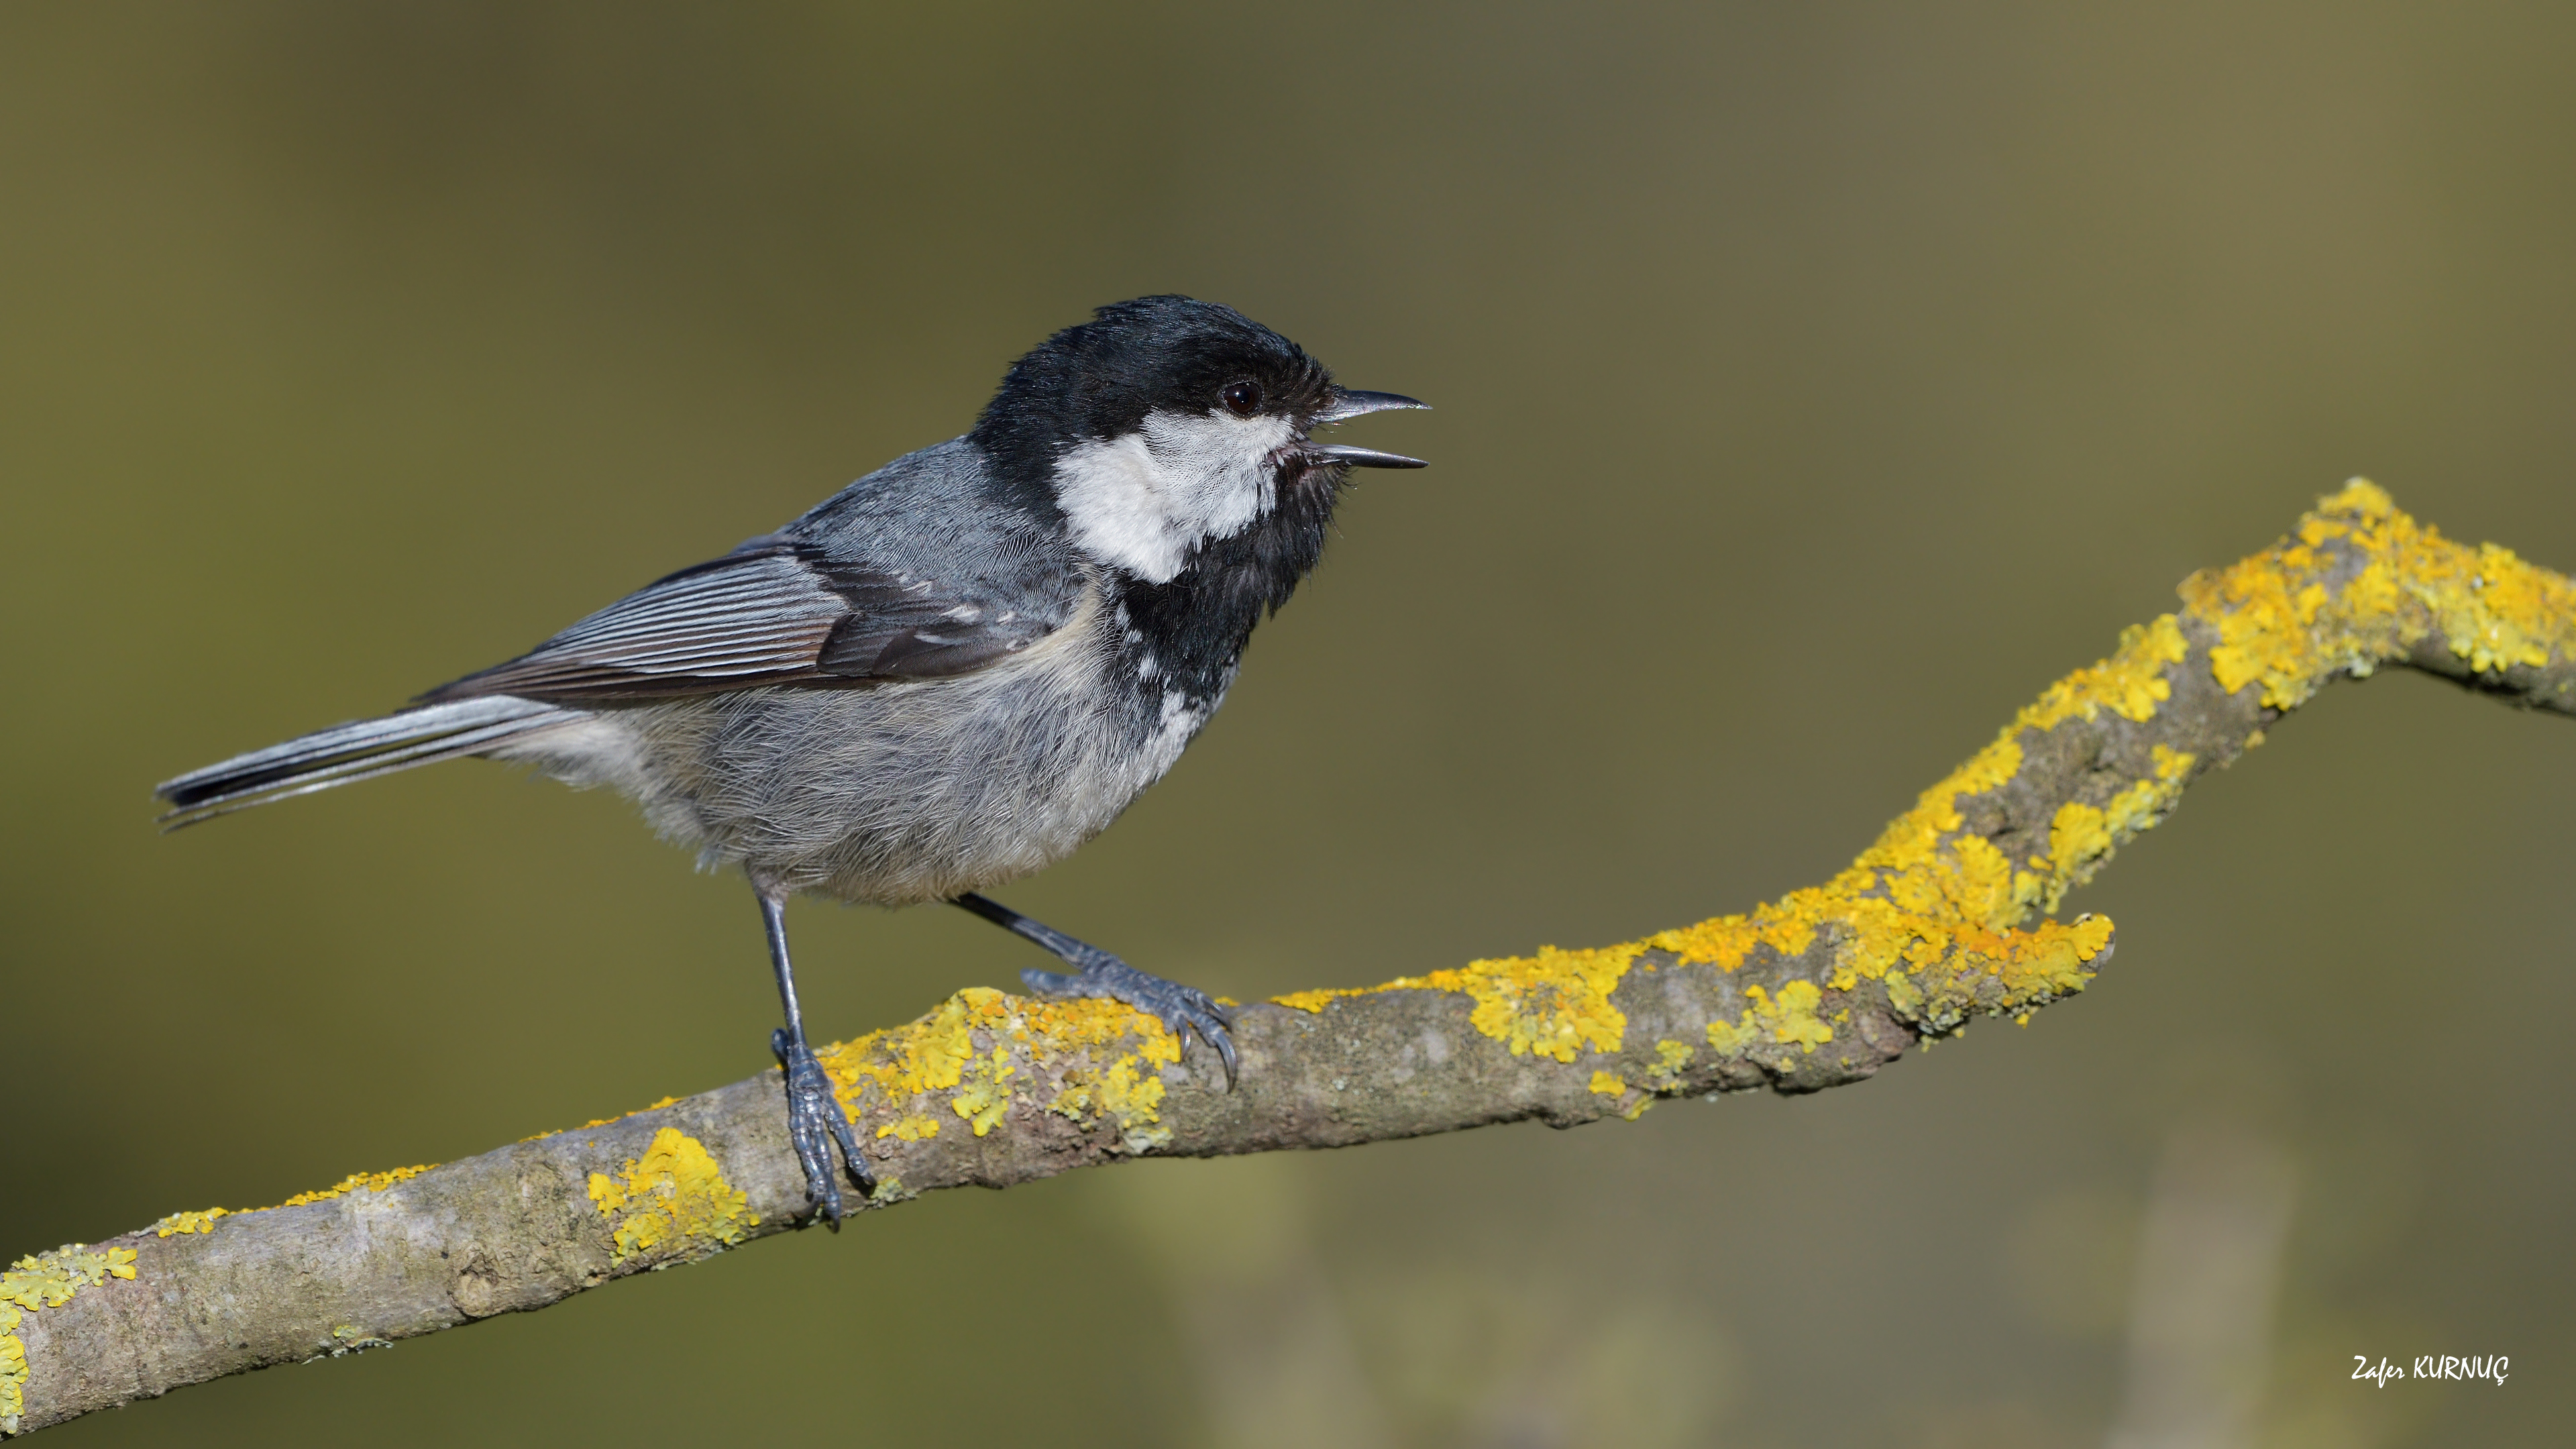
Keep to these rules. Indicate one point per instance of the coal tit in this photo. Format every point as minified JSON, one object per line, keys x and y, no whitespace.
{"x":945,"y":676}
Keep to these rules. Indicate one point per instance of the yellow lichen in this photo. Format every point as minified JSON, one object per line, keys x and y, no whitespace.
{"x":40,"y":1281}
{"x":189,"y":1222}
{"x":2130,"y":684}
{"x":1553,"y":1004}
{"x":1670,"y":1057}
{"x":1317,"y":999}
{"x":1929,"y":892}
{"x":1612,"y":1085}
{"x":2081,"y":838}
{"x":357,"y":1181}
{"x":1786,"y":1019}
{"x":1134,"y":1097}
{"x":1792,"y":1015}
{"x":986,"y":1097}
{"x":928,"y":1056}
{"x":982,"y":1048}
{"x":2079,"y":833}
{"x":203,"y":1220}
{"x":675,"y":1194}
{"x":2360,"y":585}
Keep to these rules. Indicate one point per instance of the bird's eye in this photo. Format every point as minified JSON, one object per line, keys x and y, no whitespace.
{"x":1242,"y":399}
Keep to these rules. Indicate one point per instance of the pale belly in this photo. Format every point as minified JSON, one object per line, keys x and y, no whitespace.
{"x":896,"y":794}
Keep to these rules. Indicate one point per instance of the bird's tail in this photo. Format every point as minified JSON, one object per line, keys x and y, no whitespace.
{"x":358,"y":751}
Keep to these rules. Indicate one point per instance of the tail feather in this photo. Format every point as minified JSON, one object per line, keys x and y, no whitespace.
{"x":345,"y":754}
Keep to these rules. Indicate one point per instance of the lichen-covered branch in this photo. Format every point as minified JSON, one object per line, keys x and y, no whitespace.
{"x":1932,"y":924}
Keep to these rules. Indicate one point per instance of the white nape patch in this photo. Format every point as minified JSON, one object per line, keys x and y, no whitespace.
{"x":1141,"y":502}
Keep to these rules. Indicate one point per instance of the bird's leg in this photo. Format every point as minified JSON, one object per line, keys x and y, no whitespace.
{"x":1097,"y":973}
{"x":814,"y":1116}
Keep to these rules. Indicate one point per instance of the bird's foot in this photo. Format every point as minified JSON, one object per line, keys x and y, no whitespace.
{"x":1181,"y":1009}
{"x":814,"y":1122}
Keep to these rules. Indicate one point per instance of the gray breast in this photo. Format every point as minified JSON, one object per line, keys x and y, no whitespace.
{"x":899,"y":793}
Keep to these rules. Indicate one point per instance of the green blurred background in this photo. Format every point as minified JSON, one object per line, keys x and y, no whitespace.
{"x":1814,"y":385}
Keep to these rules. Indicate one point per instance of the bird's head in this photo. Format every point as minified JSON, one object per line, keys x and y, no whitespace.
{"x":1166,"y":424}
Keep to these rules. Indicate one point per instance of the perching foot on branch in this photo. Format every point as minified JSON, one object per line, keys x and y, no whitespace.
{"x":814,"y":1121}
{"x":1101,"y":976}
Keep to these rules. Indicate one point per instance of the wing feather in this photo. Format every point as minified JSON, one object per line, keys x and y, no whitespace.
{"x":771,"y":612}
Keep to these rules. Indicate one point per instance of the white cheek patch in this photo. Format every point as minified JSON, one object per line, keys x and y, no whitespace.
{"x":1143,"y":501}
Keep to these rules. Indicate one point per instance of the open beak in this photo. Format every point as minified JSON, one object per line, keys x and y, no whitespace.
{"x":1349,"y":403}
{"x":1350,"y":457}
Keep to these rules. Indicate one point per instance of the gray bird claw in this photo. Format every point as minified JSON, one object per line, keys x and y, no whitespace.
{"x":814,"y":1122}
{"x":1181,"y":1009}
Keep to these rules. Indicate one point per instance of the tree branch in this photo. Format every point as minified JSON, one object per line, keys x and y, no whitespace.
{"x":1926,"y":929}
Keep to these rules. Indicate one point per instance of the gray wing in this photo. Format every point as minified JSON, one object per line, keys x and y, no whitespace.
{"x":778,"y":610}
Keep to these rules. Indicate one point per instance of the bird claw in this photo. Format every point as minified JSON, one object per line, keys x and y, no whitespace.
{"x":1181,"y":1009}
{"x":814,"y":1122}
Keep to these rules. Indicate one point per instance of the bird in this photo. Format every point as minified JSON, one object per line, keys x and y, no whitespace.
{"x":942,"y":678}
